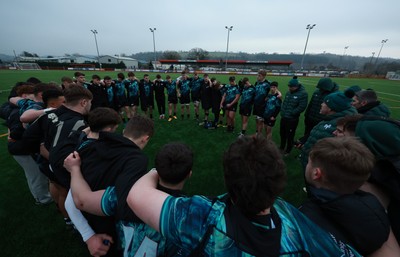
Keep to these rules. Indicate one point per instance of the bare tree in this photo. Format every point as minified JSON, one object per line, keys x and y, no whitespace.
{"x":171,"y":55}
{"x":197,"y":54}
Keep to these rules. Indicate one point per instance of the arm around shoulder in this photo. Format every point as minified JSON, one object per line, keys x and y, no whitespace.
{"x":146,"y":200}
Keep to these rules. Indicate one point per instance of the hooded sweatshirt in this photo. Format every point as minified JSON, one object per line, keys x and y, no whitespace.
{"x":357,"y":219}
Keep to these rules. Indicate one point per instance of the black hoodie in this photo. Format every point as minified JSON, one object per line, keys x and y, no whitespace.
{"x":357,"y":219}
{"x":114,"y":160}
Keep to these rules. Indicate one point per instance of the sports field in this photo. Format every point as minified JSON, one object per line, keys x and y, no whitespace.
{"x":30,"y":230}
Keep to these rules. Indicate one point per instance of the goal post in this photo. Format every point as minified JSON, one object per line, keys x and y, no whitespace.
{"x":27,"y":66}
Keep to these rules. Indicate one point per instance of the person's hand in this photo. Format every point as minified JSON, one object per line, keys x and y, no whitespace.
{"x":86,"y":130}
{"x":298,"y":144}
{"x":99,"y":244}
{"x":72,"y":162}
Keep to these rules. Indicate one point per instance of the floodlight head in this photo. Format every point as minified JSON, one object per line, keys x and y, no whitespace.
{"x":93,"y":31}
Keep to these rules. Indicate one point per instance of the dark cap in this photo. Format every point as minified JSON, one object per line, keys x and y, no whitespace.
{"x":232,"y":78}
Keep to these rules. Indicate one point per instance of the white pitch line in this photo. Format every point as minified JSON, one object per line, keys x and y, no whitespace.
{"x":387,"y":93}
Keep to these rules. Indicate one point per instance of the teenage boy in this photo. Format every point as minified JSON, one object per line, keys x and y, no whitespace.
{"x":54,"y":127}
{"x":172,"y":97}
{"x":80,"y":79}
{"x":249,"y":220}
{"x":246,"y":103}
{"x":195,"y":88}
{"x":384,"y":143}
{"x":272,"y":108}
{"x":120,"y":96}
{"x":173,"y":163}
{"x":229,"y":103}
{"x":146,"y":89}
{"x":159,"y":92}
{"x":262,"y":87}
{"x":183,"y":88}
{"x":116,"y":160}
{"x":99,"y":93}
{"x":110,"y":90}
{"x":336,"y":169}
{"x":26,"y":156}
{"x":100,"y":119}
{"x":205,"y":95}
{"x":132,"y":89}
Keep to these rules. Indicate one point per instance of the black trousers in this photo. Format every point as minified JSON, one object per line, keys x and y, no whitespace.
{"x":161,"y":105}
{"x":308,"y":126}
{"x":287,"y":132}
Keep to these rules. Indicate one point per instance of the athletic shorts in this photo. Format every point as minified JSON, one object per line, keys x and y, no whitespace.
{"x":205,"y":104}
{"x":184,"y":99}
{"x":148,"y":102}
{"x":232,"y":108}
{"x":196,"y":97}
{"x":245,"y":110}
{"x":259,"y":110}
{"x":133,"y":101}
{"x":172,"y":99}
{"x":259,"y":118}
{"x":121,"y":101}
{"x":269,"y":122}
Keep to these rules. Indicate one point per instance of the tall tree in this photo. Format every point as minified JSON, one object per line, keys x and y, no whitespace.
{"x":171,"y":55}
{"x":197,"y":54}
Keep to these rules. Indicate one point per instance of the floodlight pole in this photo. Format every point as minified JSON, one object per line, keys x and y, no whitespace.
{"x":97,"y":47}
{"x":309,"y":28}
{"x":227,"y":46}
{"x":370,"y":61}
{"x":344,"y":53}
{"x":154,"y":46}
{"x":379,"y":53}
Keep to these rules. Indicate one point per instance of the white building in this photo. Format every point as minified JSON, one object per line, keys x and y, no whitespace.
{"x":61,"y":59}
{"x":129,"y":62}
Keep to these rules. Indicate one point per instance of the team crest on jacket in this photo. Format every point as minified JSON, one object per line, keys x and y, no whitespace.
{"x":327,"y":126}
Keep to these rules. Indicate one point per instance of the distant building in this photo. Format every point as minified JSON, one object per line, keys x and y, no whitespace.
{"x":59,"y":59}
{"x":130,"y":63}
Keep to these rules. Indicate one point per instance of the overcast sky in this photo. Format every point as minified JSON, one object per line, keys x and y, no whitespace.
{"x":56,"y":27}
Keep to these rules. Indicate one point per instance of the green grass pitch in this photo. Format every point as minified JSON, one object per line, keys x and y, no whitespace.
{"x":30,"y":230}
